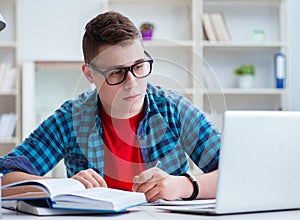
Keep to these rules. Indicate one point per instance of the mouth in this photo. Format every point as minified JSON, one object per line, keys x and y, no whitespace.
{"x":132,"y":97}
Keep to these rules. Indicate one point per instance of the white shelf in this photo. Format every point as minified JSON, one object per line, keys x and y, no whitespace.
{"x":168,"y":43}
{"x":262,"y":45}
{"x":13,"y":140}
{"x":10,"y":101}
{"x":252,"y":91}
{"x":8,"y":44}
{"x":147,"y":1}
{"x":241,"y":1}
{"x":10,"y":93}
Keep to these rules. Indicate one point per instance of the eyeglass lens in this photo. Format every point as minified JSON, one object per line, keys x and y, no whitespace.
{"x":139,"y":70}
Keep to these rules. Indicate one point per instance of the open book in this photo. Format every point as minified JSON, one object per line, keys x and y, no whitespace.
{"x":70,"y":194}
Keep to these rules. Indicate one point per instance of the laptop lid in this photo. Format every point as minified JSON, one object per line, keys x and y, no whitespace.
{"x":259,"y":162}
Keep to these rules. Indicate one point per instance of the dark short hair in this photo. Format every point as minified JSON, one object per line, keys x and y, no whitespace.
{"x":109,"y":28}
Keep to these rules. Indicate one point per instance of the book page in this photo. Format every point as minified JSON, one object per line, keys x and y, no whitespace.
{"x":60,"y":186}
{"x":98,"y":194}
{"x":100,"y":199}
{"x":27,"y":191}
{"x":52,"y":187}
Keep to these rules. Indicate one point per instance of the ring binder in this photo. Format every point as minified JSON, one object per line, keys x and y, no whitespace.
{"x":280,"y":70}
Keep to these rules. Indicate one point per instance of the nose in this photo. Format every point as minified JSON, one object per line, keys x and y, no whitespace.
{"x":130,"y":80}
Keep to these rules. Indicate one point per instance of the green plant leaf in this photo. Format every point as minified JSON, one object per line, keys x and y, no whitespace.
{"x":245,"y":70}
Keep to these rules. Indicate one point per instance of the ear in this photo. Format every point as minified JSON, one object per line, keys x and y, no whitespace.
{"x":88,"y":73}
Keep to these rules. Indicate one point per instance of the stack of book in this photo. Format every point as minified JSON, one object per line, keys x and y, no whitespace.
{"x":8,"y":122}
{"x":215,"y":28}
{"x":7,"y":77}
{"x":66,"y":196}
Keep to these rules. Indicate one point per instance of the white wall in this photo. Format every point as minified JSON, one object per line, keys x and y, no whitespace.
{"x":52,"y":29}
{"x":295,"y":53}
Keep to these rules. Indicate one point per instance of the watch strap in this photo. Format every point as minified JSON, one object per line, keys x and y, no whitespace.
{"x":195,"y":186}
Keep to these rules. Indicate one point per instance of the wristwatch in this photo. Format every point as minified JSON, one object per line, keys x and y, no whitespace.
{"x":195,"y":186}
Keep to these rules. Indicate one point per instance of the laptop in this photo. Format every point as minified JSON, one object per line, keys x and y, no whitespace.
{"x":259,"y":164}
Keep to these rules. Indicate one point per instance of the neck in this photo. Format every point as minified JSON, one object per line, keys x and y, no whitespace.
{"x":121,"y":115}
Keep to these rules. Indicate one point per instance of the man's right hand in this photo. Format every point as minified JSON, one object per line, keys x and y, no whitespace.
{"x":90,"y":178}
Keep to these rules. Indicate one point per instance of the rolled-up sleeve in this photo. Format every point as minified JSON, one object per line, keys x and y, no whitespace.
{"x":201,"y":140}
{"x":44,"y":147}
{"x":13,"y":163}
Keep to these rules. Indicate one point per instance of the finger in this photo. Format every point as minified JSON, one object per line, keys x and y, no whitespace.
{"x":143,"y":177}
{"x":150,"y":190}
{"x":90,"y":178}
{"x":152,"y":175}
{"x":145,"y":187}
{"x":152,"y":197}
{"x":99,"y":180}
{"x":90,"y":175}
{"x":95,"y":179}
{"x":84,"y":181}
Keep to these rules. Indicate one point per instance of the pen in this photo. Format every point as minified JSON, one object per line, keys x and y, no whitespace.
{"x":157,"y":163}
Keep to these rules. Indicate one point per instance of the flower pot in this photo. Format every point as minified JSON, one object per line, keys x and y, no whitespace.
{"x":245,"y":81}
{"x":147,"y":35}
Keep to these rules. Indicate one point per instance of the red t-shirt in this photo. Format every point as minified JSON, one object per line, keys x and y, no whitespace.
{"x":122,"y":155}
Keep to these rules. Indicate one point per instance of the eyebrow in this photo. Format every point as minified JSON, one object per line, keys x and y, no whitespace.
{"x":123,"y":66}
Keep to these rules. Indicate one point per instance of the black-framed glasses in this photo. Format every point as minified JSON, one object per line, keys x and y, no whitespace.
{"x":140,"y":69}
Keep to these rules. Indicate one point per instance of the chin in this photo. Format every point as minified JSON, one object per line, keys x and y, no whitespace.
{"x":135,"y":108}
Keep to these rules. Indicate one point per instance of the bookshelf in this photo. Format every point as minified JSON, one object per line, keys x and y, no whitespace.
{"x":200,"y":69}
{"x":203,"y":70}
{"x":10,"y":101}
{"x":270,"y":16}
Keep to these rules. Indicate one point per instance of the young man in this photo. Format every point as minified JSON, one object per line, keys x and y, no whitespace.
{"x":115,"y":135}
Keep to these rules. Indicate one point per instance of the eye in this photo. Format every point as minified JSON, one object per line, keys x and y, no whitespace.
{"x":116,"y":72}
{"x":139,"y":66}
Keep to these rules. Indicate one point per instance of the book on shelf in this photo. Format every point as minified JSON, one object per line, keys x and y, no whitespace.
{"x":3,"y":68}
{"x":8,"y":75}
{"x":8,"y":123}
{"x":71,"y":194}
{"x":208,"y":27}
{"x":215,"y":27}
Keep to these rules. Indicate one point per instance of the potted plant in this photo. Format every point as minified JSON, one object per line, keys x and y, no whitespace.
{"x":245,"y":74}
{"x":147,"y":30}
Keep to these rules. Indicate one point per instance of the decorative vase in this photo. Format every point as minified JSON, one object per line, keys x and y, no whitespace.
{"x":245,"y":81}
{"x":147,"y":35}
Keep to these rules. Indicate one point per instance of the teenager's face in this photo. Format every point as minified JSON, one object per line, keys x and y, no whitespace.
{"x":127,"y":98}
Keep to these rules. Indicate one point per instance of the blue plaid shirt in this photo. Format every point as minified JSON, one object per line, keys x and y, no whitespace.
{"x":170,"y":129}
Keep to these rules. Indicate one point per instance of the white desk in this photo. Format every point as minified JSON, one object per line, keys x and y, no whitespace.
{"x":151,"y":213}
